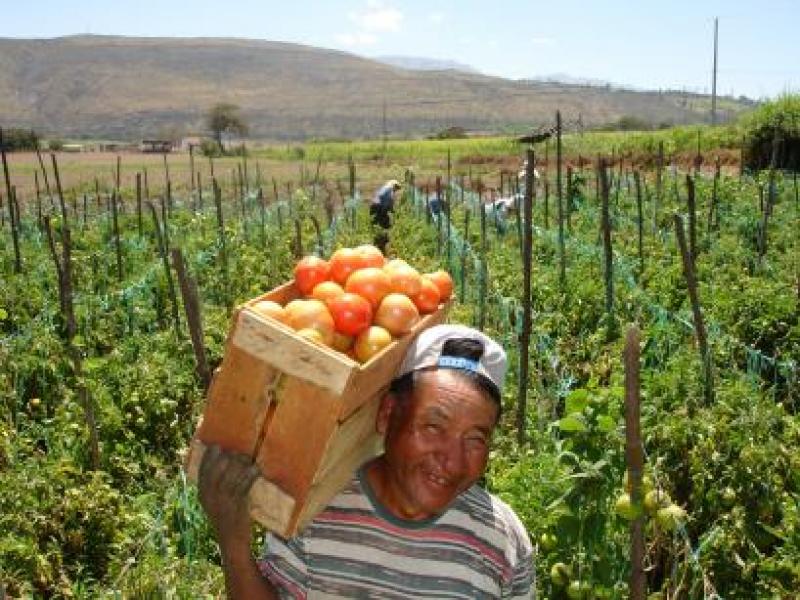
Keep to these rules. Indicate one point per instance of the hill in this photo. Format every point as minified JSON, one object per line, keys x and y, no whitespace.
{"x":119,"y":87}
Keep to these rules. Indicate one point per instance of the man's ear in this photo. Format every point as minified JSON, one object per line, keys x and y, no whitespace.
{"x":388,"y":404}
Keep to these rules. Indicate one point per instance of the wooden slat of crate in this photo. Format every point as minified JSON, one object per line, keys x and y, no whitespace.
{"x":237,"y":395}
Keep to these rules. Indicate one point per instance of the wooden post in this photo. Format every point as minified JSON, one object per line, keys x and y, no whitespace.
{"x":463,"y":290}
{"x":639,"y":220}
{"x":608,"y":255}
{"x":482,"y":280}
{"x":525,"y":338}
{"x":562,"y":266}
{"x":659,"y":185}
{"x":119,"y":171}
{"x":191,"y":306}
{"x":713,"y":210}
{"x":699,"y":324}
{"x":162,"y":250}
{"x":12,"y":217}
{"x":191,"y":170}
{"x":223,"y":250}
{"x":634,"y":459}
{"x":692,"y":209}
{"x":298,"y":240}
{"x":39,"y":221}
{"x":318,"y":230}
{"x":117,"y":242}
{"x":139,"y":221}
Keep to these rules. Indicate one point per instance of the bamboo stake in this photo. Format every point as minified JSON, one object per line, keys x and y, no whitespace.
{"x":13,"y":222}
{"x":639,"y":220}
{"x":608,"y":265}
{"x":692,"y":210}
{"x":222,"y":241}
{"x":117,"y":242}
{"x":562,"y":266}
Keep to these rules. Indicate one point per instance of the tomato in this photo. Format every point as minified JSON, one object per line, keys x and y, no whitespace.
{"x":395,"y":263}
{"x":626,"y":509}
{"x":371,"y":283}
{"x":327,"y":290}
{"x":312,"y":335}
{"x":343,"y":262}
{"x":310,"y":271}
{"x":270,"y":309}
{"x":655,"y":499}
{"x":405,"y":279}
{"x":311,"y":314}
{"x":351,"y":313}
{"x":443,"y":281}
{"x":670,"y":517}
{"x":370,"y":256}
{"x":548,"y":541}
{"x":560,"y":574}
{"x":342,"y":343}
{"x":397,"y":314}
{"x":579,"y":590}
{"x":371,"y":341}
{"x":427,"y":300}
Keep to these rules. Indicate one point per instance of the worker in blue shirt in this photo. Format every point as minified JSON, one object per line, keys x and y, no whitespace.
{"x":380,"y":208}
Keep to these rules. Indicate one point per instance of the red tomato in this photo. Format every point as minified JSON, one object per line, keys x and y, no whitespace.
{"x":370,"y":256}
{"x":326,"y":290}
{"x":371,"y":341}
{"x":405,"y":279}
{"x":397,"y":314}
{"x":371,"y":283}
{"x":311,"y":314}
{"x":343,"y":262}
{"x":310,"y":271}
{"x":351,"y":313}
{"x":270,"y":309}
{"x":427,"y":301}
{"x":443,"y":281}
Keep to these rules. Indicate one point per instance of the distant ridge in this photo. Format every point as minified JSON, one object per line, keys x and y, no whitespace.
{"x":417,"y":63}
{"x":129,"y":88}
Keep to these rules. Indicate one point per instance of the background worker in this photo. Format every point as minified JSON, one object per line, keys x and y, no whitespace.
{"x":412,"y":523}
{"x":380,"y":207}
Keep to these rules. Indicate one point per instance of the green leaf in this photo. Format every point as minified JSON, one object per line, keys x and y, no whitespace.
{"x":3,"y":314}
{"x":571,"y":423}
{"x":576,"y":401}
{"x":605,"y":423}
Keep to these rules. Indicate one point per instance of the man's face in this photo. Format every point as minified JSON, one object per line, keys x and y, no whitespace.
{"x":437,"y":443}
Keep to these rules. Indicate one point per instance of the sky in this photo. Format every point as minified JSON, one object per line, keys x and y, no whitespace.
{"x":641,"y":44}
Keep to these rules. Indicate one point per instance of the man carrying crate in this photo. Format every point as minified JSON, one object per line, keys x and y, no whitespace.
{"x":413,"y":522}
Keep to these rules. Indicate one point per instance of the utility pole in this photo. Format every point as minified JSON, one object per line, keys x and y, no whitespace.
{"x":714,"y":77}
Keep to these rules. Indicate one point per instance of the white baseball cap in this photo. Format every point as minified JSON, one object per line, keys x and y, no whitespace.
{"x":426,"y":352}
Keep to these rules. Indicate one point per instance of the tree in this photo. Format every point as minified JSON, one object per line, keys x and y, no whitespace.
{"x":225,"y":118}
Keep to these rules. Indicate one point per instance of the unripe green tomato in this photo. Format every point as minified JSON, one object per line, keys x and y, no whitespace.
{"x":548,"y":541}
{"x":579,"y":590}
{"x":670,"y":517}
{"x":560,"y":574}
{"x":728,"y":496}
{"x":655,"y":499}
{"x":625,"y":509}
{"x":647,"y":483}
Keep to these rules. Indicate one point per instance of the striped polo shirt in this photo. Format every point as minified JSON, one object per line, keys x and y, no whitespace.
{"x":355,"y":548}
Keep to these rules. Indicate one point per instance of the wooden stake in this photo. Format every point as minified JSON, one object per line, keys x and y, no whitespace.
{"x":191,"y":306}
{"x":162,"y":250}
{"x":634,"y":459}
{"x":524,"y":350}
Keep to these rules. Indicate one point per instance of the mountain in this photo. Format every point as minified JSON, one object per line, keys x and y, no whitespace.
{"x":418,"y":63}
{"x":129,"y":88}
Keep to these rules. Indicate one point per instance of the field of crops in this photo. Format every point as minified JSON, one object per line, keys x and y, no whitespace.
{"x":100,"y":388}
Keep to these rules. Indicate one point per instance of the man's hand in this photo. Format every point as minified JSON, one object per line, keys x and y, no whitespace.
{"x":224,"y":482}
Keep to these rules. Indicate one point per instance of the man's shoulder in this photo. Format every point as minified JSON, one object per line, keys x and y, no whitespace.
{"x":491,"y":512}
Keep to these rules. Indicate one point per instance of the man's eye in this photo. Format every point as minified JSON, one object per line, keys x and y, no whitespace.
{"x":477,"y":441}
{"x":433,"y":428}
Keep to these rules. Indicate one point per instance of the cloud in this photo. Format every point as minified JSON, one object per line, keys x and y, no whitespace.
{"x":378,"y":18}
{"x":361,"y":38}
{"x":437,"y":18}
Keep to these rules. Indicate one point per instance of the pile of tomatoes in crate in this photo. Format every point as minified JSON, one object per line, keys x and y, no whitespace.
{"x":357,"y":302}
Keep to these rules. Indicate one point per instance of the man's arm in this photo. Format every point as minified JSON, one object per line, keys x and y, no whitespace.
{"x":224,"y":482}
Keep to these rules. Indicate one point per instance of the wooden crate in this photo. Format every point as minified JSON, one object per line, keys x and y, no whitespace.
{"x":305,"y":413}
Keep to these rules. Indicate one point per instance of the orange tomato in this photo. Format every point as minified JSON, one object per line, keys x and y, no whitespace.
{"x":371,"y":341}
{"x":342,"y":343}
{"x":343,"y":262}
{"x":370,"y":256}
{"x":326,"y":290}
{"x":310,"y":271}
{"x":311,"y":314}
{"x":427,"y":300}
{"x":397,"y":314}
{"x":372,"y":283}
{"x":443,"y":281}
{"x":405,"y":279}
{"x":270,"y":309}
